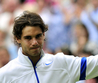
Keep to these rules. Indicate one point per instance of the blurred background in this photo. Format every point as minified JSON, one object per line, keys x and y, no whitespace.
{"x":73,"y":26}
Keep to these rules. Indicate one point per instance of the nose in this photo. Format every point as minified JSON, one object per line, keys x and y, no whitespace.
{"x":34,"y":42}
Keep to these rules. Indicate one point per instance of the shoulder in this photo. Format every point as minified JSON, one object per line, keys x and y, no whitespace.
{"x":61,"y":57}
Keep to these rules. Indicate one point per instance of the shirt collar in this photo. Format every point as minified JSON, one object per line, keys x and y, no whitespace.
{"x":25,"y":60}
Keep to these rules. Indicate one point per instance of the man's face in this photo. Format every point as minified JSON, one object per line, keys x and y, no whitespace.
{"x":32,"y":40}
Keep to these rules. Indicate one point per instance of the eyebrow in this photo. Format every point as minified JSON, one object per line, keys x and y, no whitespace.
{"x":30,"y":35}
{"x":39,"y":34}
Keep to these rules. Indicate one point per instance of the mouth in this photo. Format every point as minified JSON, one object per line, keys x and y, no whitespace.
{"x":35,"y":48}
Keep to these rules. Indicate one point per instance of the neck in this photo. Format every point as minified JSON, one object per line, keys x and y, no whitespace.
{"x":34,"y":59}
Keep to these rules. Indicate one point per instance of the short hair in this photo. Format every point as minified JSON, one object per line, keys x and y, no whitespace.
{"x":27,"y":19}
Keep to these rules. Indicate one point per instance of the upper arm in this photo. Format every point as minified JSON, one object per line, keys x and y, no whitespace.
{"x":92,"y":67}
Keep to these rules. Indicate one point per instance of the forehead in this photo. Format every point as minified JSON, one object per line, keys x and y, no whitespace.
{"x":31,"y":30}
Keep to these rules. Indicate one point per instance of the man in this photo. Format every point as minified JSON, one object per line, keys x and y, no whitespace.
{"x":34,"y":66}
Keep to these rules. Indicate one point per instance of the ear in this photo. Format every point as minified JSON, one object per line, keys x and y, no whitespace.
{"x":44,"y":35}
{"x":18,"y":40}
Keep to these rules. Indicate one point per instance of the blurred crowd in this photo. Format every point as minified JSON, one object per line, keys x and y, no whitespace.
{"x":73,"y":26}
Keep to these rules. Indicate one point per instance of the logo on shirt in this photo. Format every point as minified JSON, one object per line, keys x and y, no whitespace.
{"x":48,"y":63}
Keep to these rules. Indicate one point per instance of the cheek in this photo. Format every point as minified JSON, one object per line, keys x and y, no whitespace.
{"x":42,"y":41}
{"x":25,"y":44}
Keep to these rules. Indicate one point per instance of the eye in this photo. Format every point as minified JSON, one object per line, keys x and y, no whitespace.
{"x":28,"y":37}
{"x":39,"y":36}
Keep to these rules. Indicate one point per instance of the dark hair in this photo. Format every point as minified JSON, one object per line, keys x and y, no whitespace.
{"x":27,"y":19}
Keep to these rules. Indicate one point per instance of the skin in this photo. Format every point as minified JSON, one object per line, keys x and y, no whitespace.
{"x":31,"y":41}
{"x":4,"y":57}
{"x":91,"y":81}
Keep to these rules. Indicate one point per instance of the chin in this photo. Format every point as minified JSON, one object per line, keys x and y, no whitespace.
{"x":35,"y":53}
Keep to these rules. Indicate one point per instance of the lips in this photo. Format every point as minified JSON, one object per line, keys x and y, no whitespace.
{"x":35,"y":48}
